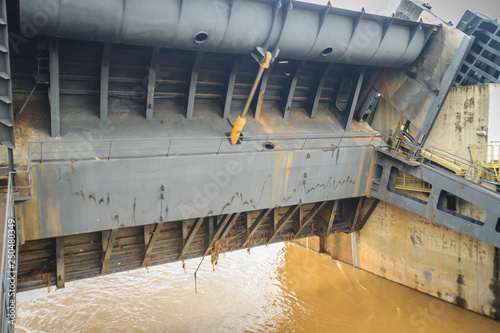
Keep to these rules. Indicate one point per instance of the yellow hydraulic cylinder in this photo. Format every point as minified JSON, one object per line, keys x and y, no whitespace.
{"x":237,"y":128}
{"x":241,"y":120}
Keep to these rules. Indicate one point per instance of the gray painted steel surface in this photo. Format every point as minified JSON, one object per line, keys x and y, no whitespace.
{"x":434,"y":209}
{"x":419,"y":91}
{"x":85,"y":196}
{"x":6,"y":112}
{"x":411,"y":9}
{"x":482,"y":64}
{"x":299,"y":30}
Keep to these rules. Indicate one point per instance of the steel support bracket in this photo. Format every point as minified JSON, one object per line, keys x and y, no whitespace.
{"x":259,"y":54}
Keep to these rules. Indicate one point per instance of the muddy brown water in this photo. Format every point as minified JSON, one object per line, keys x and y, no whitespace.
{"x":279,"y":288}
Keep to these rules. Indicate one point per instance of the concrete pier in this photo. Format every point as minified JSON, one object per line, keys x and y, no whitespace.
{"x":418,"y":253}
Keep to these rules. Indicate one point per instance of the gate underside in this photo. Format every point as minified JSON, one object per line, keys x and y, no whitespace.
{"x":54,"y":261}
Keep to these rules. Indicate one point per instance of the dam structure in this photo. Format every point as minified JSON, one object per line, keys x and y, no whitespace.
{"x":142,"y":133}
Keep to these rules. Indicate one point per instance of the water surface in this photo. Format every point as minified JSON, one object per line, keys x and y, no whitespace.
{"x":279,"y":288}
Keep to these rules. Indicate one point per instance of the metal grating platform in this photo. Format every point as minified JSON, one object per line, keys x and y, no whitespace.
{"x":482,"y":64}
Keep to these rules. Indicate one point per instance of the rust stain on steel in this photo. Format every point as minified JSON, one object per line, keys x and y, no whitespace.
{"x":403,"y":157}
{"x":357,"y":126}
{"x":53,"y":218}
{"x":278,"y":166}
{"x":31,"y":211}
{"x":290,"y":129}
{"x":361,"y":164}
{"x":287,"y":172}
{"x":369,"y":175}
{"x":261,"y":103}
{"x":129,"y":247}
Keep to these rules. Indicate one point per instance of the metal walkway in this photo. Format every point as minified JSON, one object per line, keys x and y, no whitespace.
{"x":482,"y":222}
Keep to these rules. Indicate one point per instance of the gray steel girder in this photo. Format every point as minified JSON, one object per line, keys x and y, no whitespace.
{"x":73,"y":197}
{"x":435,"y":209}
{"x":419,"y":91}
{"x":290,"y":29}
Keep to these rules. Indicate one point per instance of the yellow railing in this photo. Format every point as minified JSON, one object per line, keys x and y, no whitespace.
{"x":481,"y":167}
{"x":408,"y":182}
{"x":488,"y":156}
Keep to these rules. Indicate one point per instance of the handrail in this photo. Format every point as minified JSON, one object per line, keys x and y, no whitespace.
{"x":8,"y":270}
{"x":291,"y":136}
{"x":473,"y":172}
{"x":180,"y":146}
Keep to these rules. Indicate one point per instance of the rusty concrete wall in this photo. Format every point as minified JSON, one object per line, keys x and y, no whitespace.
{"x":465,"y":112}
{"x":463,"y":115}
{"x":425,"y":256}
{"x":494,"y":116}
{"x":415,"y":252}
{"x":410,"y":250}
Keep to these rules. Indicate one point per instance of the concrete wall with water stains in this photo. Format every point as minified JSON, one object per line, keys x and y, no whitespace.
{"x":425,"y":256}
{"x":418,"y":253}
{"x":494,"y":116}
{"x":410,"y":250}
{"x":464,"y":114}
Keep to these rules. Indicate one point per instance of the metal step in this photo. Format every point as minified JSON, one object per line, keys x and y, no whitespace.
{"x":19,"y":200}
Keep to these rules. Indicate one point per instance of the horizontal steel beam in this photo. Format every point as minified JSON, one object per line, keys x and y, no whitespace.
{"x":483,"y":224}
{"x":311,"y":32}
{"x":139,"y":191}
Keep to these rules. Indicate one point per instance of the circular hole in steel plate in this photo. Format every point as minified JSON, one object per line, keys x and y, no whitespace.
{"x":201,"y":37}
{"x":269,"y":145}
{"x":327,"y":51}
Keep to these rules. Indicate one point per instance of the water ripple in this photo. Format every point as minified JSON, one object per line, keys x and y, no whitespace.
{"x":279,"y":288}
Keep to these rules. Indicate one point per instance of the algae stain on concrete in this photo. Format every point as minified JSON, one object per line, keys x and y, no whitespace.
{"x":428,"y":274}
{"x":459,"y":300}
{"x":495,"y":285}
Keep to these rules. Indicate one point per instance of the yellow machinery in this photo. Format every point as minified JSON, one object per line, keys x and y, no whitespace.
{"x":484,"y":164}
{"x":428,"y":155}
{"x":488,"y":156}
{"x":241,"y":120}
{"x":407,"y":182}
